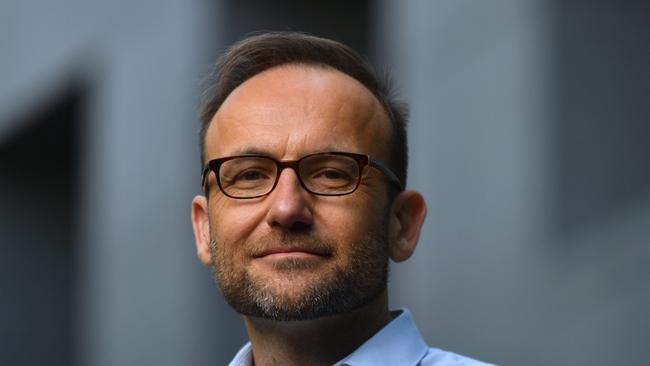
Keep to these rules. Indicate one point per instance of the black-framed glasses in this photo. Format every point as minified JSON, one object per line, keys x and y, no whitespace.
{"x":326,"y":173}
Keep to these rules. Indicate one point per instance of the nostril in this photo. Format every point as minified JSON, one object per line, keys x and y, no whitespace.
{"x":299,"y":227}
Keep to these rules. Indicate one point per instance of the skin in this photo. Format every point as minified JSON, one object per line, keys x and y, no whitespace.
{"x":287,"y":112}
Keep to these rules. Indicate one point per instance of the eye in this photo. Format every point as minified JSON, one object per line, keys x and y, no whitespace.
{"x":251,"y":176}
{"x":331,"y":174}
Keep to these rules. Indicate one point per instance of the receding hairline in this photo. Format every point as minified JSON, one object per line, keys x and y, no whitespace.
{"x":309,"y":65}
{"x":378,"y":109}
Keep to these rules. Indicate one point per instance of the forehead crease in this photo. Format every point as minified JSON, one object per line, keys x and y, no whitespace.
{"x":241,"y":136}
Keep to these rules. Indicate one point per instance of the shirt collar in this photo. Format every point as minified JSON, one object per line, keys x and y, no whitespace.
{"x":244,"y":357}
{"x":398,"y":343}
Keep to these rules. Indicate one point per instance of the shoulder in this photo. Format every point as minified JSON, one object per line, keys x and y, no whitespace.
{"x":400,"y":343}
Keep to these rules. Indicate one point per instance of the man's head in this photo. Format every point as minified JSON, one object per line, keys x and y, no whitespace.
{"x":294,"y":251}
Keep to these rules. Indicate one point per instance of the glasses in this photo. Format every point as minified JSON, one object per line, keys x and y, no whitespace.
{"x":325,"y":174}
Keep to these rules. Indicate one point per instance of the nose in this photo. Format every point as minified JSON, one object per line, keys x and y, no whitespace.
{"x":290,"y":204}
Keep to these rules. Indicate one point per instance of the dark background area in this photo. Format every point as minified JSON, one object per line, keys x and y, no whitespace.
{"x":603,"y":123}
{"x":38,"y":255}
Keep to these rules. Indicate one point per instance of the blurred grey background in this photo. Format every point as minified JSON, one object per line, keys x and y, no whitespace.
{"x":529,"y":138}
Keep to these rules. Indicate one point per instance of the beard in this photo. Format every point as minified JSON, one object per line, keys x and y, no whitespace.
{"x":351,"y":283}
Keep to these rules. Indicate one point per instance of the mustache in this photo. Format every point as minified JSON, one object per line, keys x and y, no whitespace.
{"x":294,"y":241}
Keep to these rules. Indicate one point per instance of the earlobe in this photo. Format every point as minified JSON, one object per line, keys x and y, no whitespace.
{"x":201,"y":227}
{"x":407,"y":216}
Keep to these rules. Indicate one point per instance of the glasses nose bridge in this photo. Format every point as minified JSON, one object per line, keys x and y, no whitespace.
{"x":292,"y":164}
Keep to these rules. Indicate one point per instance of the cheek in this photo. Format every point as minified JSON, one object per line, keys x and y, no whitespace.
{"x":231,"y":224}
{"x":350,"y":222}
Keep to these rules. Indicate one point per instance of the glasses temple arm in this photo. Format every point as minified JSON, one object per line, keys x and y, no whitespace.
{"x":204,"y":175}
{"x":387,"y":172}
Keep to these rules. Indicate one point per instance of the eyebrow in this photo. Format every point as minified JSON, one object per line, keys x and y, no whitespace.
{"x":250,"y":150}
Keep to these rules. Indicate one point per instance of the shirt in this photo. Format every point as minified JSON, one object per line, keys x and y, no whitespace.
{"x":398,"y":343}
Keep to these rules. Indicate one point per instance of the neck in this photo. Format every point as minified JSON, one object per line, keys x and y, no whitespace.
{"x":320,"y":341}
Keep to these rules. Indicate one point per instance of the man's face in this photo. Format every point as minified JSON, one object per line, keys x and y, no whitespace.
{"x":293,"y":255}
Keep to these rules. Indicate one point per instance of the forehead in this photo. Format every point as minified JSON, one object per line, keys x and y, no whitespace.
{"x":293,"y":110}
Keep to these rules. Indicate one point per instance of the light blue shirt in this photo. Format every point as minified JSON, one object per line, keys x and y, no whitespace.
{"x":398,"y":343}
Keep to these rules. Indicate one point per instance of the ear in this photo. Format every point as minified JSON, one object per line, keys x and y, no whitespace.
{"x":201,"y":227}
{"x":406,"y":219}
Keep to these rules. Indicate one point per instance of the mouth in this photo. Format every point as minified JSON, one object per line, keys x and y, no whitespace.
{"x":278,"y":253}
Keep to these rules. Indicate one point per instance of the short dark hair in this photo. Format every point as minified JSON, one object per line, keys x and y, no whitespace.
{"x":261,"y":52}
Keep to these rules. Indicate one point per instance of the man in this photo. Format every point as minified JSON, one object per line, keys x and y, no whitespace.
{"x":304,"y":155}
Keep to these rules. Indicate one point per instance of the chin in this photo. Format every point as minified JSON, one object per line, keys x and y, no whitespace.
{"x":304,"y":298}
